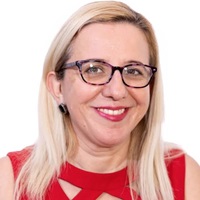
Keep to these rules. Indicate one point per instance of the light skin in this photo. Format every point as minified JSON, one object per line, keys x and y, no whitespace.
{"x":101,"y":136}
{"x":103,"y":140}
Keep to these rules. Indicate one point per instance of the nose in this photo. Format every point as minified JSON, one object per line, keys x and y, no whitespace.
{"x":115,"y":89}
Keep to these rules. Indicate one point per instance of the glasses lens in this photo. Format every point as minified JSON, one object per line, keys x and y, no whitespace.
{"x":96,"y":72}
{"x":137,"y":75}
{"x":99,"y":73}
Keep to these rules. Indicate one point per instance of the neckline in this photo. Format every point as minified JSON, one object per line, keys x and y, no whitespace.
{"x":94,"y":181}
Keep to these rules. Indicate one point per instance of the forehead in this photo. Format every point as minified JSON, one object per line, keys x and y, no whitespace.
{"x":108,"y":40}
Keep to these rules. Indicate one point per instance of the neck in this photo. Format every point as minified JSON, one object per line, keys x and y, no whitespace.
{"x":100,"y":159}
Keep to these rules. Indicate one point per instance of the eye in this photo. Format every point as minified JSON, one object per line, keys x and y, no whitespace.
{"x":134,"y":71}
{"x":93,"y":68}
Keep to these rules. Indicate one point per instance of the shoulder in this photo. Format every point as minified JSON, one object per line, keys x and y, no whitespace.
{"x":9,"y":169}
{"x":175,"y":163}
{"x":6,"y":179}
{"x":184,"y":174}
{"x":192,"y":179}
{"x":18,"y":158}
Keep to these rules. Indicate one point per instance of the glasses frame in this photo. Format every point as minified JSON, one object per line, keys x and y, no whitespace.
{"x":79,"y":64}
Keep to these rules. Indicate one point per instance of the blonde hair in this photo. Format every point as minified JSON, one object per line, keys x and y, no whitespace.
{"x":57,"y":140}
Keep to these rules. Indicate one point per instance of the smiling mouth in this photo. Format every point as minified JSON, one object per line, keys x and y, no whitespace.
{"x":112,"y":112}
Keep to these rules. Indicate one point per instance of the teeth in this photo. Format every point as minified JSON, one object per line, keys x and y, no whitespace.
{"x":112,"y":112}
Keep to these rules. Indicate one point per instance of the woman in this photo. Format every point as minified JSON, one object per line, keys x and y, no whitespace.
{"x":100,"y":115}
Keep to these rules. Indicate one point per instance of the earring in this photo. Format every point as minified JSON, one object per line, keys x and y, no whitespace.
{"x":63,"y":108}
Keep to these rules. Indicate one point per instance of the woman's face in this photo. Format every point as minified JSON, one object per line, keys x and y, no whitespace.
{"x":105,"y":115}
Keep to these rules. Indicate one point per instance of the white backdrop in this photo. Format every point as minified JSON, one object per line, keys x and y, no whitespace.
{"x":26,"y":31}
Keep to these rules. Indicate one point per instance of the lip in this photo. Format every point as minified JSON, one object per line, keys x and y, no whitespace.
{"x":114,"y":114}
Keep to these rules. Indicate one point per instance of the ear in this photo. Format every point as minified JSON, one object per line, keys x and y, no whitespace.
{"x":54,"y":87}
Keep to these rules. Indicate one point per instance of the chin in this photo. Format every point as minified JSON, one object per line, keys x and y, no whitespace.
{"x":112,"y":142}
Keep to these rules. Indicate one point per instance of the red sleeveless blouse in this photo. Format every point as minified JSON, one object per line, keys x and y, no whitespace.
{"x":94,"y":184}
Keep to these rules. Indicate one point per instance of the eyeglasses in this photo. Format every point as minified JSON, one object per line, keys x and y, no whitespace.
{"x":98,"y":72}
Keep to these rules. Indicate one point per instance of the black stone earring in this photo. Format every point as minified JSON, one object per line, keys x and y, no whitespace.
{"x":63,"y":108}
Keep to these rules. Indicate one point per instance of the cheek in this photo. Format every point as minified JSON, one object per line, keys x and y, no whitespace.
{"x":76,"y":92}
{"x":141,"y":97}
{"x":145,"y":96}
{"x":71,"y":85}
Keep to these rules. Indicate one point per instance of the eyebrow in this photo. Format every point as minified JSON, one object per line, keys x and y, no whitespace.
{"x":126,"y":62}
{"x":135,"y":61}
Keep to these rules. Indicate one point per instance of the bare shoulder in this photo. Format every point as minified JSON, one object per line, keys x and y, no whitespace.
{"x":192,"y":181}
{"x":6,"y":179}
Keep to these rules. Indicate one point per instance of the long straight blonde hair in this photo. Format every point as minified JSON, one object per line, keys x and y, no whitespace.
{"x":57,"y":140}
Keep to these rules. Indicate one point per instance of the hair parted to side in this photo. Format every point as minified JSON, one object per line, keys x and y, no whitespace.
{"x":57,"y":140}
